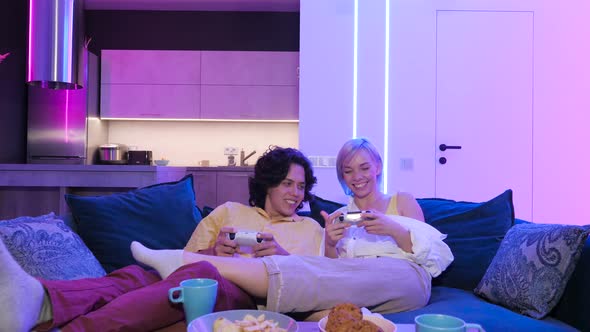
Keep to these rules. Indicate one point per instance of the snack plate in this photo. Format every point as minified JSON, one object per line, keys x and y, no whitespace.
{"x":384,"y":324}
{"x":205,"y":323}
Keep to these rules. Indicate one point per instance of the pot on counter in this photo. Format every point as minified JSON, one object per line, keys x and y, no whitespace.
{"x":113,"y":154}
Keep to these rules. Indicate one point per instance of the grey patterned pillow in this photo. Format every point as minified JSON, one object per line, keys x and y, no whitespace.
{"x":532,"y":267}
{"x":46,"y":248}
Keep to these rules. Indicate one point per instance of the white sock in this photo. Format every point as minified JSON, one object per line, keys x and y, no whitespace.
{"x":21,"y":295}
{"x":165,"y":261}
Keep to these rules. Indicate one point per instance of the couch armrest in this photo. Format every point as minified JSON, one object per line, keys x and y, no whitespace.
{"x":574,"y":306}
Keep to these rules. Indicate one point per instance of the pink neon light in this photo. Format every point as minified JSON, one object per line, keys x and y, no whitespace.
{"x":67,"y":112}
{"x":29,"y":63}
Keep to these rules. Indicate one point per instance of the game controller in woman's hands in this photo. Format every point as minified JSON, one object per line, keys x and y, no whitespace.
{"x":245,"y":238}
{"x":353,"y":217}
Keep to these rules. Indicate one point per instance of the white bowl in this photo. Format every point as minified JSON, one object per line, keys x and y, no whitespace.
{"x":161,"y":162}
{"x":205,"y":323}
{"x":384,"y":324}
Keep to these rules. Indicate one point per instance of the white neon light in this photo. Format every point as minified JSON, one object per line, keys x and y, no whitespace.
{"x":355,"y":69}
{"x":386,"y":108}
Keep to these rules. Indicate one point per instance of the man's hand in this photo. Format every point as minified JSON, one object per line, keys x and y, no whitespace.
{"x":223,"y":245}
{"x":269,"y":246}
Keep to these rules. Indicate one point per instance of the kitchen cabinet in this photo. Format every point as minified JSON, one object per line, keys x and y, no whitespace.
{"x":249,"y":68}
{"x":150,"y":101}
{"x":217,"y":185}
{"x":150,"y":67}
{"x":150,"y":84}
{"x":249,"y":85}
{"x":243,"y":85}
{"x":249,"y":102}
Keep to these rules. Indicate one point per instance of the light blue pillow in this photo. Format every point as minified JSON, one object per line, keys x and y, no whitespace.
{"x":532,"y":267}
{"x":46,"y":248}
{"x":161,"y":216}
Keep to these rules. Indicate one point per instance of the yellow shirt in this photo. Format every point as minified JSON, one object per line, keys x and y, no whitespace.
{"x":297,"y":235}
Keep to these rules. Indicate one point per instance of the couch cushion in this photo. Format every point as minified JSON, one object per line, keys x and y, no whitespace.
{"x":474,"y":233}
{"x":532,"y":267}
{"x":318,"y":204}
{"x":46,"y":248}
{"x":161,"y":216}
{"x":573,"y":308}
{"x":467,"y":306}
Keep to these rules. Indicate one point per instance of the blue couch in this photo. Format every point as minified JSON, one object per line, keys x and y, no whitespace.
{"x":474,"y":234}
{"x":106,"y":225}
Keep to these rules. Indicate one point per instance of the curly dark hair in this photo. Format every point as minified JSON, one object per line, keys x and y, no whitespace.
{"x":272,"y":168}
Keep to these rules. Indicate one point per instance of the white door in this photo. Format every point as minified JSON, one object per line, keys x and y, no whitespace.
{"x":484,"y":104}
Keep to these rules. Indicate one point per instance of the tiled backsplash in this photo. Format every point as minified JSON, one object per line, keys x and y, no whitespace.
{"x":187,"y":143}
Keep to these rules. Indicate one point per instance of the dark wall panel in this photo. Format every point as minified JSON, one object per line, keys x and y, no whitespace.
{"x":246,"y":31}
{"x":172,"y":30}
{"x":13,"y":99}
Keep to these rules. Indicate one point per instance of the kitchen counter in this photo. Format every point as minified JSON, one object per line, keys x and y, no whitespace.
{"x":34,"y":189}
{"x":112,"y":176}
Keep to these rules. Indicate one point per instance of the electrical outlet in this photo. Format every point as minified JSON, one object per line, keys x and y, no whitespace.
{"x":230,"y":150}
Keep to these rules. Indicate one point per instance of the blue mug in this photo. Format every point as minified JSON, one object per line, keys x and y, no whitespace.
{"x":197,"y":296}
{"x":443,"y":323}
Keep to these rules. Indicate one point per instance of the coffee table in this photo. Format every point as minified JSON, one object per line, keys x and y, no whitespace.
{"x":313,"y":327}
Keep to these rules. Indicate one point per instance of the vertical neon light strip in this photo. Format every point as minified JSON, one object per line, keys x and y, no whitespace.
{"x":66,"y":138}
{"x":55,"y":42}
{"x":386,"y":102}
{"x":66,"y":45}
{"x":355,"y":68}
{"x":29,"y":61}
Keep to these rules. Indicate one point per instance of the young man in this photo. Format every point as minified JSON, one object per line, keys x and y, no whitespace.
{"x":134,"y":299}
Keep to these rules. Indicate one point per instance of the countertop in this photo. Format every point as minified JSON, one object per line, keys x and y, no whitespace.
{"x":122,"y":176}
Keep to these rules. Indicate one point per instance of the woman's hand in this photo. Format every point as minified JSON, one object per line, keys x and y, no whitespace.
{"x":269,"y":246}
{"x":223,"y":245}
{"x":378,"y":223}
{"x":334,"y":230}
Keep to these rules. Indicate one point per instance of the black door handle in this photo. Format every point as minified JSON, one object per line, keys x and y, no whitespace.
{"x":444,"y":147}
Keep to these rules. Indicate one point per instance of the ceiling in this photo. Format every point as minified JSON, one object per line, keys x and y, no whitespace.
{"x":195,"y":5}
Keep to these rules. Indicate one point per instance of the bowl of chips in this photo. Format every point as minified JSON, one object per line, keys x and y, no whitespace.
{"x":243,"y":321}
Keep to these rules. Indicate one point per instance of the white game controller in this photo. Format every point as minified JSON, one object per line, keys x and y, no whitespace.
{"x":352,"y":217}
{"x":245,"y":238}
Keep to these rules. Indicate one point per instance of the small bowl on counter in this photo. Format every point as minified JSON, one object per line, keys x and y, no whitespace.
{"x":161,"y":162}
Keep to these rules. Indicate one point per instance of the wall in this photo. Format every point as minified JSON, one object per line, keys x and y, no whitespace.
{"x":561,"y":81}
{"x":187,"y":143}
{"x":13,"y":98}
{"x":135,"y":30}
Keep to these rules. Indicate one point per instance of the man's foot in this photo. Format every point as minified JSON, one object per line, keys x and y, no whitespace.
{"x":165,"y":261}
{"x":21,"y":295}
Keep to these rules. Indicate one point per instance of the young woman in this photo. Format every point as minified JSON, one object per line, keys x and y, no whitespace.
{"x":360,"y":171}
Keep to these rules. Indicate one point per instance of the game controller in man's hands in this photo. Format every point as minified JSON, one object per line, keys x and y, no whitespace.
{"x":352,"y":217}
{"x":245,"y":238}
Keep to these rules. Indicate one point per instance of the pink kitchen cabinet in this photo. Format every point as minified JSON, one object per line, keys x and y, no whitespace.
{"x":249,"y":68}
{"x":150,"y":101}
{"x":150,"y":67}
{"x":260,"y":102}
{"x":249,"y":85}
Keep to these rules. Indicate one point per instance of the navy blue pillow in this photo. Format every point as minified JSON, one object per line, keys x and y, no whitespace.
{"x":318,"y":204}
{"x":474,"y":233}
{"x":162,"y":216}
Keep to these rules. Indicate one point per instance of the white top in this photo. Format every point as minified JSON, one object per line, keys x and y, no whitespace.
{"x":429,"y":250}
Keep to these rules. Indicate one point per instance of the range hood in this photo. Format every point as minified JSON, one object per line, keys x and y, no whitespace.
{"x":55,"y":43}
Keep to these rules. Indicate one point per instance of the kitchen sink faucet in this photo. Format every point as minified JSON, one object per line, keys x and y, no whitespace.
{"x":243,"y":157}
